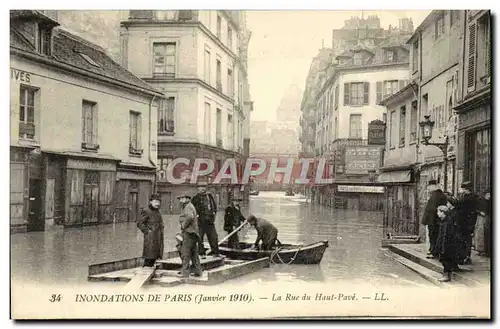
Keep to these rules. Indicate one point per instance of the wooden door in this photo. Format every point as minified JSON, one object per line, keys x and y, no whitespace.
{"x":35,"y":220}
{"x":91,"y":197}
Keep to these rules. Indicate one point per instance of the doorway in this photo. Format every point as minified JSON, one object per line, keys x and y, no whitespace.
{"x":166,"y":203}
{"x":134,"y":207}
{"x":91,"y":197}
{"x":35,"y":220}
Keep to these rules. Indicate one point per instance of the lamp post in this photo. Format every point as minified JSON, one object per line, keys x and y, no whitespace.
{"x":426,"y":133}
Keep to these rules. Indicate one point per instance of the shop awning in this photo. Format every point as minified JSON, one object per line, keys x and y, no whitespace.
{"x":401,"y":176}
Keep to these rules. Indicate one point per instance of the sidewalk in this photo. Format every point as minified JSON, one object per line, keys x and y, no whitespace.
{"x":414,"y":256}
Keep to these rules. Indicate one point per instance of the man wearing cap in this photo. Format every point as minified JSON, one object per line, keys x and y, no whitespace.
{"x":190,"y":238}
{"x":232,"y":219}
{"x":430,"y":218}
{"x":467,"y":208}
{"x":151,"y":225}
{"x":266,"y":232}
{"x":207,"y":209}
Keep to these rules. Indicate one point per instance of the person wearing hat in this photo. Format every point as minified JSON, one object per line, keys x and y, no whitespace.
{"x":467,"y":208}
{"x":232,"y":220}
{"x":189,"y":238}
{"x":151,"y":225}
{"x":448,"y":246}
{"x":430,"y":218}
{"x":206,"y":208}
{"x":266,"y":232}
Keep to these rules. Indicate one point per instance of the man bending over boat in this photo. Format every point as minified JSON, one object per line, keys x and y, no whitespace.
{"x":266,"y":232}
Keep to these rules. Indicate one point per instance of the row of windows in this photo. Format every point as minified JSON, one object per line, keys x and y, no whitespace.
{"x":207,"y":73}
{"x":90,"y":138}
{"x":361,"y":58}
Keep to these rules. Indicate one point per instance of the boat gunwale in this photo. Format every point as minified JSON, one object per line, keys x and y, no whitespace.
{"x":308,"y":247}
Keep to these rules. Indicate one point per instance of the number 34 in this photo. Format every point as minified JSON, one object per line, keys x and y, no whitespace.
{"x":55,"y":298}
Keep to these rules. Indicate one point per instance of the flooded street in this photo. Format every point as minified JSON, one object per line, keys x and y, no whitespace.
{"x":62,"y":256}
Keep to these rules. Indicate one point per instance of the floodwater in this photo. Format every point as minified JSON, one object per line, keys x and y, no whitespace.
{"x":62,"y":256}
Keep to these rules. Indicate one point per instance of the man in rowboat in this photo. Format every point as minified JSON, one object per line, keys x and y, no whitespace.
{"x":232,"y":219}
{"x":266,"y":232}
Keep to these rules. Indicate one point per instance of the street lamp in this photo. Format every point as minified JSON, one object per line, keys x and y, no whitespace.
{"x":426,"y":133}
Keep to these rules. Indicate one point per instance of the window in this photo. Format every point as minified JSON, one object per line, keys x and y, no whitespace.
{"x":402,"y":125}
{"x":336,"y":133}
{"x":356,"y":93}
{"x":355,"y":126}
{"x":166,"y":116}
{"x":230,"y":37}
{"x":206,"y":74}
{"x":358,"y":59}
{"x":208,"y":123}
{"x":439,"y":27}
{"x":384,"y":117}
{"x":390,"y":87}
{"x":219,"y":27}
{"x":393,"y":125}
{"x":484,"y":47}
{"x":89,"y":60}
{"x":27,"y":112}
{"x":219,"y":73}
{"x":135,"y":146}
{"x":415,"y":56}
{"x":336,"y":97}
{"x":478,"y":159}
{"x":167,"y":15}
{"x":218,"y":130}
{"x":44,"y":38}
{"x":230,"y":131}
{"x":230,"y":82}
{"x":390,"y":56}
{"x":89,"y":125}
{"x":414,"y":121}
{"x":164,"y":58}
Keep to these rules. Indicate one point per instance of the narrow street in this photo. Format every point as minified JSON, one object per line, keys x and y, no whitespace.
{"x":61,"y":256}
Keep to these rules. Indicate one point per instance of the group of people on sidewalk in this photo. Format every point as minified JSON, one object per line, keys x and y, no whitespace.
{"x":197,"y":219}
{"x":456,"y":225}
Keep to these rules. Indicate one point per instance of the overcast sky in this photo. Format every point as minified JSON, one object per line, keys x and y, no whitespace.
{"x":283,"y":44}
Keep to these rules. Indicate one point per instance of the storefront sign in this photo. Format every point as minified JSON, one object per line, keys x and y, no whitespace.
{"x":376,"y":132}
{"x":20,"y":76}
{"x":475,"y":116}
{"x":360,"y":189}
{"x":128,"y":175}
{"x":91,"y":165}
{"x":362,"y":159}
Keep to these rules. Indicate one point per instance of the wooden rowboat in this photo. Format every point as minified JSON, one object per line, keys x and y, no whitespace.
{"x":283,"y":254}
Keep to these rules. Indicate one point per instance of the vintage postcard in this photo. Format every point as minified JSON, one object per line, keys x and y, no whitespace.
{"x":250,"y":164}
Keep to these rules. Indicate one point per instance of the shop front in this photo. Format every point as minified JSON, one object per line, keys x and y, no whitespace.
{"x":134,"y":185}
{"x":359,"y":197}
{"x":401,"y":208}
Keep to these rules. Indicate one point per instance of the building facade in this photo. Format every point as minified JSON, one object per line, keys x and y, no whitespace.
{"x":82,"y":130}
{"x":198,"y":59}
{"x":474,"y":107}
{"x":346,"y":103}
{"x":435,"y":54}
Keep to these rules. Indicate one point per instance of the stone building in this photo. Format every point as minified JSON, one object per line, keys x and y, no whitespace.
{"x":83,"y":130}
{"x":198,"y":59}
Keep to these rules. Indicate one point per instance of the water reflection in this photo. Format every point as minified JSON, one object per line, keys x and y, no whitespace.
{"x":62,"y":256}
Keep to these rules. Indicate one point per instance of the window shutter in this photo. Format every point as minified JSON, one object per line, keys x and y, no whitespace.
{"x":346,"y":94}
{"x":471,"y":70}
{"x":401,"y":84}
{"x":366,"y":95}
{"x":488,"y":48}
{"x":379,"y":91}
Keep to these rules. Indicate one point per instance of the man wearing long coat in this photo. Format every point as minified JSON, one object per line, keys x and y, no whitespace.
{"x":151,"y":225}
{"x":232,"y":220}
{"x":206,"y":207}
{"x":467,"y":208}
{"x":430,"y":218}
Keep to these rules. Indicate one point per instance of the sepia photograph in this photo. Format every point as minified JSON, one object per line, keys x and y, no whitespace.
{"x":183,"y":163}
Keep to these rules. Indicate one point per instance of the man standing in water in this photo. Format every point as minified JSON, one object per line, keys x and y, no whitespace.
{"x":190,"y":238}
{"x":207,"y":209}
{"x":151,"y":225}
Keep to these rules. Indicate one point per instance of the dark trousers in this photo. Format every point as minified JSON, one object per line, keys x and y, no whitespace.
{"x":149,"y":262}
{"x":448,"y":264}
{"x":433,"y":235}
{"x":468,"y":245}
{"x":233,"y":241}
{"x":209,"y":230}
{"x":189,"y":254}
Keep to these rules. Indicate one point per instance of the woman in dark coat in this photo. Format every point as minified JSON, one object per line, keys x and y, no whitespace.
{"x":151,"y":225}
{"x":449,"y":247}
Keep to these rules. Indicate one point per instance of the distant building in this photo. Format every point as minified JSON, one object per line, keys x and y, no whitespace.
{"x":83,"y":130}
